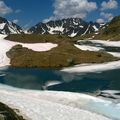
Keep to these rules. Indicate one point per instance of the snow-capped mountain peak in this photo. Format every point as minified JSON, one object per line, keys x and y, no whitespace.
{"x":7,"y":27}
{"x":69,"y":26}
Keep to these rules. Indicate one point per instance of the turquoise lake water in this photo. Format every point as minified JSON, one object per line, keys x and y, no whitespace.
{"x":88,"y":82}
{"x":37,"y":78}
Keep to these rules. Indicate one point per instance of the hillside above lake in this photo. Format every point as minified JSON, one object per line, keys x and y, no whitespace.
{"x":64,"y":55}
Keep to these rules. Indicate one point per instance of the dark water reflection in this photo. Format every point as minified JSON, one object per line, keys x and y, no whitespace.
{"x":37,"y":78}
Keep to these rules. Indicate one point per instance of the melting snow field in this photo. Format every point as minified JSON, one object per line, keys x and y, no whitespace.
{"x":6,"y":45}
{"x":87,"y":47}
{"x":82,"y":68}
{"x":86,"y":68}
{"x":107,"y":43}
{"x":44,"y":105}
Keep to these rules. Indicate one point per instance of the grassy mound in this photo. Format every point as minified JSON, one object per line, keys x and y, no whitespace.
{"x":66,"y":54}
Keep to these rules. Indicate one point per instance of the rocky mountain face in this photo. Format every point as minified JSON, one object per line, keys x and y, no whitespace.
{"x":111,"y":30}
{"x":70,"y":27}
{"x":7,"y":27}
{"x":113,"y":27}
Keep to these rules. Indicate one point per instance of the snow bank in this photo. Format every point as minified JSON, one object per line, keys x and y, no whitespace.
{"x":40,"y":47}
{"x":88,"y":47}
{"x":44,"y":105}
{"x":93,"y":67}
{"x":107,"y":43}
{"x":83,"y":68}
{"x":6,"y":45}
{"x":116,"y":54}
{"x":95,"y":48}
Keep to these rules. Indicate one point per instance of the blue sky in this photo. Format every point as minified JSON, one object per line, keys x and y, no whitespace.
{"x":29,"y":12}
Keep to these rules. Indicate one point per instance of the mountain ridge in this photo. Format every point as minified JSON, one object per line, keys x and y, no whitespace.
{"x":70,"y":27}
{"x":110,"y":32}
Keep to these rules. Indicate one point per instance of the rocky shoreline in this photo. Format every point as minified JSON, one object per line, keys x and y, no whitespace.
{"x":6,"y":113}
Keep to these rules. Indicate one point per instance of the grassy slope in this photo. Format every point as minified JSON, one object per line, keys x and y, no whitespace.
{"x":66,"y":54}
{"x":111,"y":32}
{"x":37,"y":38}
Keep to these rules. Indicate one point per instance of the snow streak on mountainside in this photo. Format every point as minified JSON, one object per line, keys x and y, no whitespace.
{"x":70,"y":27}
{"x":7,"y":27}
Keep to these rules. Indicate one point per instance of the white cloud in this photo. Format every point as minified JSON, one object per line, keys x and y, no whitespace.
{"x":111,"y":4}
{"x":15,"y":21}
{"x":48,"y":19}
{"x":100,"y":20}
{"x":106,"y":16}
{"x":4,"y":9}
{"x":72,"y":8}
{"x":27,"y":25}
